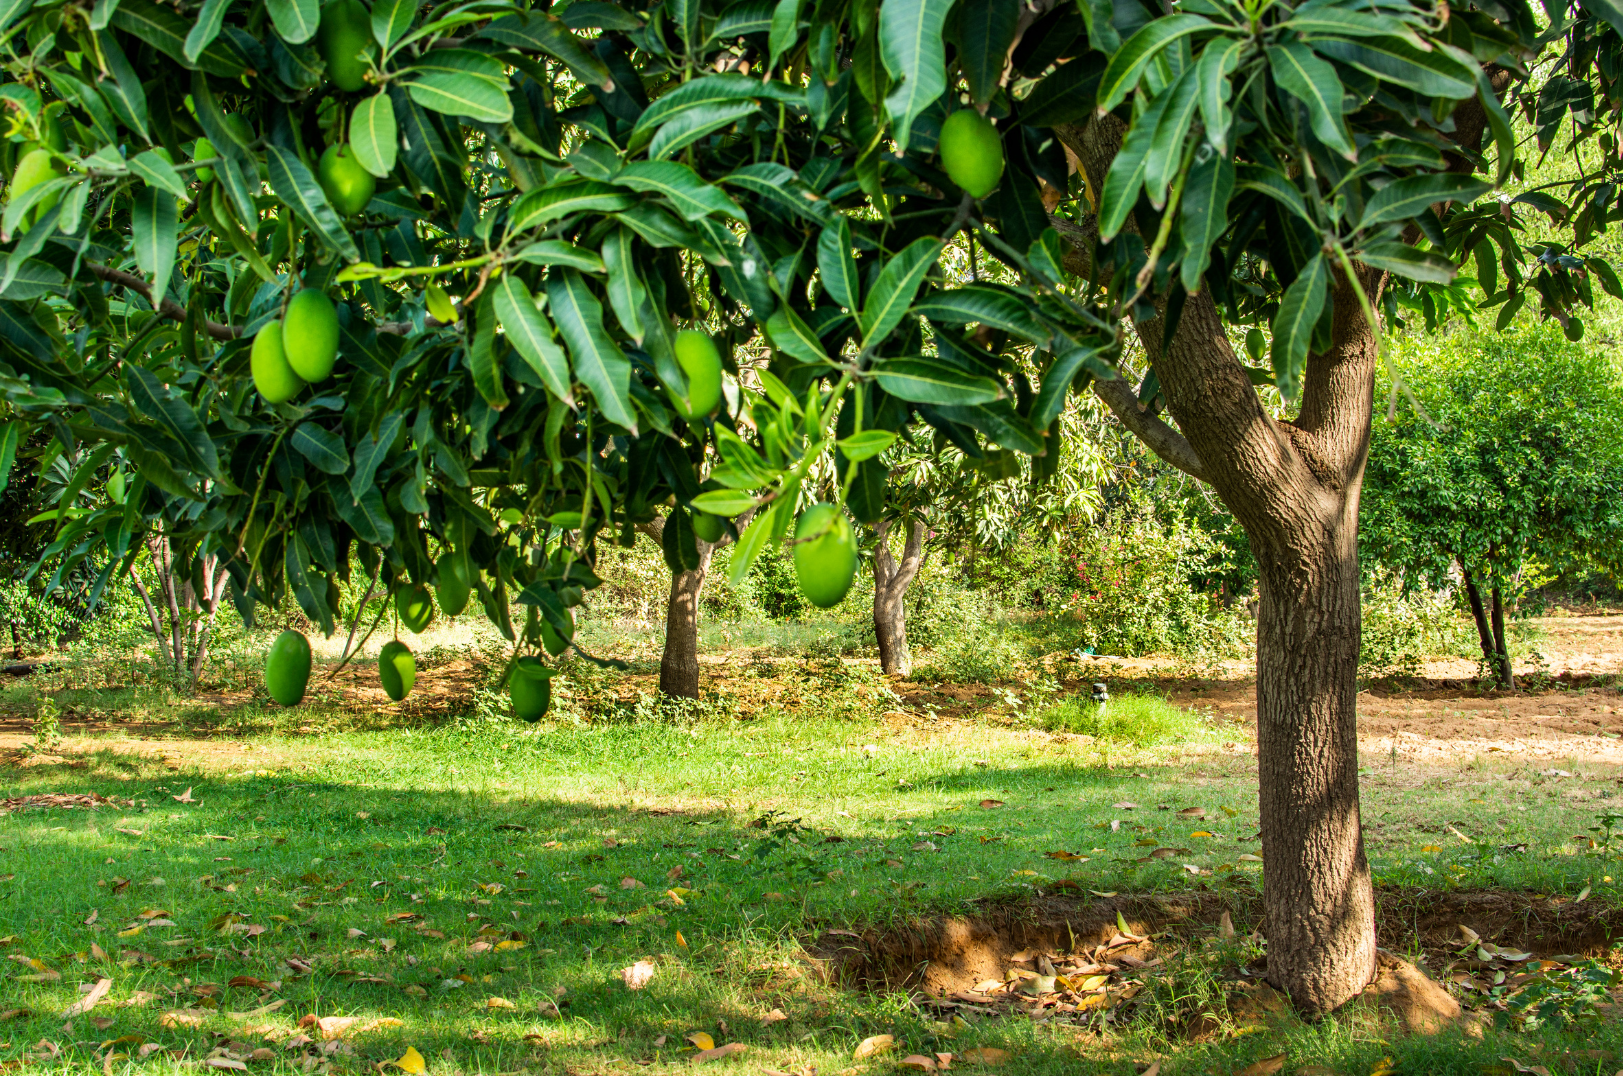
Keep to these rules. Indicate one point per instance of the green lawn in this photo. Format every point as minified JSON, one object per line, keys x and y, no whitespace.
{"x":464,"y":879}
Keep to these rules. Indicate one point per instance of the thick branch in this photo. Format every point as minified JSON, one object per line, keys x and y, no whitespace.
{"x":169,"y":308}
{"x":1160,"y":438}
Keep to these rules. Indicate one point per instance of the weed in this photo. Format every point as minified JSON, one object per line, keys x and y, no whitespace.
{"x":47,"y":727}
{"x":1140,"y":720}
{"x":1559,"y":997}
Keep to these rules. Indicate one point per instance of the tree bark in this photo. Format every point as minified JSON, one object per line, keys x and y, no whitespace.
{"x":1484,"y":631}
{"x":890,"y":582}
{"x":1507,"y":673}
{"x":679,"y":662}
{"x":1294,"y":487}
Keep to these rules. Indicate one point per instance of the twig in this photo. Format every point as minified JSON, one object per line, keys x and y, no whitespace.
{"x":375,"y":622}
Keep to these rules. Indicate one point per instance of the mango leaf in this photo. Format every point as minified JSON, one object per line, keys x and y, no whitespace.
{"x":911,"y":45}
{"x":297,"y":188}
{"x":865,"y":445}
{"x":461,"y":82}
{"x":927,"y":382}
{"x":1404,"y":260}
{"x":1204,"y":214}
{"x":558,"y":252}
{"x":154,"y":400}
{"x":373,"y":134}
{"x":1405,"y":198}
{"x":321,"y":447}
{"x":1429,"y":74}
{"x":690,"y":125}
{"x":154,"y":222}
{"x":790,"y":334}
{"x":1126,"y":175}
{"x":753,"y":541}
{"x":157,"y":172}
{"x":1313,"y":82}
{"x":837,"y":265}
{"x":691,"y":196}
{"x":391,"y":19}
{"x":893,"y":290}
{"x":626,"y":290}
{"x":785,"y":27}
{"x":1217,"y":61}
{"x":724,"y":502}
{"x":985,"y":32}
{"x":984,"y":306}
{"x":295,"y":20}
{"x":598,"y":362}
{"x":536,"y":32}
{"x":563,"y":197}
{"x":1127,"y":66}
{"x":1293,"y":324}
{"x":529,"y":332}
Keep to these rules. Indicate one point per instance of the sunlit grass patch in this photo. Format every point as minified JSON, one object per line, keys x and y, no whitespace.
{"x":1140,"y":720}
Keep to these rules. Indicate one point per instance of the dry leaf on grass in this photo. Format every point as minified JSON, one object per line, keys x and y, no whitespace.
{"x":1537,"y":1070}
{"x":637,"y":975}
{"x":411,"y":1061}
{"x":337,"y":1027}
{"x":1266,"y":1067}
{"x":985,"y":1055}
{"x":701,"y":1040}
{"x":89,"y":1001}
{"x":226,"y":1064}
{"x":184,"y":797}
{"x":989,"y":804}
{"x":873,"y":1044}
{"x":719,"y":1052}
{"x":774,"y":1016}
{"x":926,"y":1064}
{"x":499,"y":1003}
{"x":175,"y":1019}
{"x":1153,"y":1070}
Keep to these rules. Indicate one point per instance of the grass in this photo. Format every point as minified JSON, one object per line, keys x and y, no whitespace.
{"x":393,"y":865}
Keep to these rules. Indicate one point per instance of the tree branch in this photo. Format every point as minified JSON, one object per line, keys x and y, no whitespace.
{"x":1161,"y":438}
{"x":169,"y":308}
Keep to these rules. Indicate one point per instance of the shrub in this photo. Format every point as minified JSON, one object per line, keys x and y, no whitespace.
{"x":1401,"y":628}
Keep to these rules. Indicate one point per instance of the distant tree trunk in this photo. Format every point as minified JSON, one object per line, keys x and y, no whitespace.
{"x":890,"y":582}
{"x":183,"y":641}
{"x":1491,"y":634}
{"x":679,"y":663}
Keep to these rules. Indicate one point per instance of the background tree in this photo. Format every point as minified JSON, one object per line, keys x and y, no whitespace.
{"x":1516,"y":469}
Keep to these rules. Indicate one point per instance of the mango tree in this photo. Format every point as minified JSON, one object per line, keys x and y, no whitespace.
{"x":550,"y":196}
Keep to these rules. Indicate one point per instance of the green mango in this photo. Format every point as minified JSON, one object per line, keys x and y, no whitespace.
{"x":287,"y":668}
{"x":397,"y":669}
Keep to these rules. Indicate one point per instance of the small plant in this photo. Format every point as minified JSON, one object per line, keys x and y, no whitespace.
{"x":1141,"y":720}
{"x":1610,"y":827}
{"x":1559,"y":998}
{"x":47,"y":727}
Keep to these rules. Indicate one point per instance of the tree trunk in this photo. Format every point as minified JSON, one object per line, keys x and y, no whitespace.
{"x":1507,"y":673}
{"x":890,"y":582}
{"x":679,"y":664}
{"x":1484,"y":630}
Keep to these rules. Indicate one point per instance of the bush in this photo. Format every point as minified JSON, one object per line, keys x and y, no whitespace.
{"x":1401,"y":628}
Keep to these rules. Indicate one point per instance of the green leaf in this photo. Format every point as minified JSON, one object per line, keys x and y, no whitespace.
{"x":558,"y":252}
{"x":167,"y":32}
{"x":373,"y":134}
{"x":790,"y":334}
{"x":724,"y":502}
{"x":536,"y":32}
{"x":10,"y":437}
{"x":1056,"y":385}
{"x":1274,"y":184}
{"x":785,"y":28}
{"x":295,"y":20}
{"x":865,"y":445}
{"x":563,"y":197}
{"x":461,"y":82}
{"x":125,"y":92}
{"x":32,"y":278}
{"x":159,"y":173}
{"x":482,"y":361}
{"x":985,"y":33}
{"x":1217,"y":62}
{"x":752,"y":541}
{"x":1127,"y":66}
{"x":685,"y":15}
{"x":911,"y":45}
{"x":1205,"y":214}
{"x":692,"y":124}
{"x":1166,"y":153}
{"x":1313,"y":82}
{"x":10,"y":9}
{"x":367,"y":516}
{"x":1345,"y":22}
{"x":1403,"y":199}
{"x":727,"y":88}
{"x":681,"y":185}
{"x":1066,"y":96}
{"x":154,"y":400}
{"x":985,"y":306}
{"x":324,"y":449}
{"x":1504,"y":137}
{"x":1299,"y":310}
{"x":530,"y":333}
{"x":929,"y":382}
{"x":154,"y":223}
{"x":1404,"y":260}
{"x":837,"y":264}
{"x":1429,"y":74}
{"x":745,"y":17}
{"x":893,"y":290}
{"x":1126,"y":175}
{"x":598,"y":362}
{"x":298,"y":189}
{"x":391,"y":19}
{"x":627,"y":292}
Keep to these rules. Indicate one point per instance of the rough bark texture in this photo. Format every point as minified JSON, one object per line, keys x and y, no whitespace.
{"x":1294,"y":488}
{"x":891,"y":579}
{"x":679,"y":663}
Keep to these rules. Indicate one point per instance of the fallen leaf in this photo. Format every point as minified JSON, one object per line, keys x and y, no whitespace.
{"x":637,"y":975}
{"x":701,"y":1040}
{"x":89,"y":1001}
{"x":775,"y":1016}
{"x":1583,"y":894}
{"x":1154,"y":1069}
{"x":226,"y":1064}
{"x":13,"y":1014}
{"x":1247,"y":857}
{"x":499,"y":1003}
{"x":1266,"y":1067}
{"x":1066,"y":856}
{"x":719,"y":1052}
{"x":1225,"y":925}
{"x":989,"y":804}
{"x":1202,"y":833}
{"x":184,"y":797}
{"x":175,"y":1019}
{"x":1125,"y":805}
{"x":918,"y":1061}
{"x":985,"y":1055}
{"x":873,"y":1044}
{"x":683,"y":942}
{"x":631,"y":883}
{"x":411,"y":1061}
